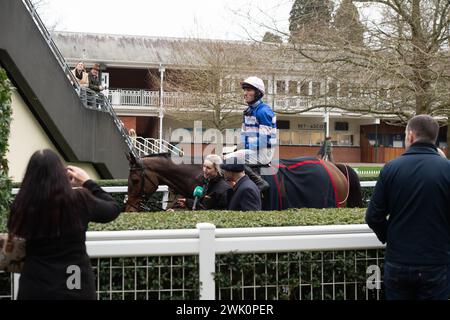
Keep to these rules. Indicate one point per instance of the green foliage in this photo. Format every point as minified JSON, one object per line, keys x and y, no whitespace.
{"x":306,"y":275}
{"x":112,"y":182}
{"x":347,"y":23}
{"x":232,"y":219}
{"x":147,"y":278}
{"x":270,"y":37}
{"x":5,"y":122}
{"x":308,"y":15}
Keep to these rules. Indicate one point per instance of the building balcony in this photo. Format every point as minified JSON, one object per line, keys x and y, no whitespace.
{"x":147,"y":101}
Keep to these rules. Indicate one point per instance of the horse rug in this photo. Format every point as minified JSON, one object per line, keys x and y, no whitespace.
{"x":300,"y":183}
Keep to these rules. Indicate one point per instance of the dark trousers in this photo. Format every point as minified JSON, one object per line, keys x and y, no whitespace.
{"x":405,"y":282}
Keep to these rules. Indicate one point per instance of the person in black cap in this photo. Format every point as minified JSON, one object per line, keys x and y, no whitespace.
{"x":245,"y":195}
{"x":95,"y":82}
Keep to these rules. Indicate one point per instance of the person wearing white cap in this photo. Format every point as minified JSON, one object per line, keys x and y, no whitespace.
{"x":259,"y":130}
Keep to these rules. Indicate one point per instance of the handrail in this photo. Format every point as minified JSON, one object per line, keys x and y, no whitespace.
{"x":145,"y":146}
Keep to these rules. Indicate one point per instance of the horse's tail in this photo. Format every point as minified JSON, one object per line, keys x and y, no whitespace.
{"x":355,"y":193}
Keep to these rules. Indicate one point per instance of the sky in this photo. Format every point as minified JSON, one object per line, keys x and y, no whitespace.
{"x":215,"y":19}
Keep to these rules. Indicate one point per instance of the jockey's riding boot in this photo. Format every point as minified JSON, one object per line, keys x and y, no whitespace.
{"x":262,"y":184}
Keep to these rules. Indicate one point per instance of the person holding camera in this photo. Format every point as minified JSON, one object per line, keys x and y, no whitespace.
{"x":51,"y":212}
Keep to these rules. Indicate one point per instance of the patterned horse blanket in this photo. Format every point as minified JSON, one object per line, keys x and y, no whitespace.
{"x":300,"y":183}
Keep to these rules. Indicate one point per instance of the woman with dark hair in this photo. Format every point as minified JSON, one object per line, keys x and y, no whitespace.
{"x":53,"y":217}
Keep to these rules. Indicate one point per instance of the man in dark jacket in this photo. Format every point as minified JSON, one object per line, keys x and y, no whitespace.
{"x":245,"y":195}
{"x":95,"y":84}
{"x":414,"y":191}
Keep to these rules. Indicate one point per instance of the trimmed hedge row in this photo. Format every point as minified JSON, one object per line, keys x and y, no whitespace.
{"x":232,"y":219}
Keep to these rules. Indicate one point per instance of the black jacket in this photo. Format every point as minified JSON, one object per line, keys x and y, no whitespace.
{"x":94,"y":82}
{"x":47,"y":264}
{"x":215,"y":197}
{"x":414,"y":191}
{"x":245,"y":196}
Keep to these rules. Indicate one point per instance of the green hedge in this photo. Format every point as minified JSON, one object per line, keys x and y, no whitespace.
{"x":5,"y":122}
{"x":232,"y":219}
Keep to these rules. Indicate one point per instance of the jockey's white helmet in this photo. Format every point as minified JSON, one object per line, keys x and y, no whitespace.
{"x":254,"y":82}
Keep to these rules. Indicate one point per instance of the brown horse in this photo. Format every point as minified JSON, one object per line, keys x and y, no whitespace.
{"x":149,"y":172}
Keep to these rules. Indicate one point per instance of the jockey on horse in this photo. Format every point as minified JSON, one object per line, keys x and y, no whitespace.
{"x":258,"y":132}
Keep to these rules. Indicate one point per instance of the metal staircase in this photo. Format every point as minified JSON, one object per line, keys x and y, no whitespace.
{"x":138,"y":146}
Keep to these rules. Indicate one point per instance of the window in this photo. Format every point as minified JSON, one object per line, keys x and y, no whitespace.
{"x":304,"y":88}
{"x":343,"y":90}
{"x":332,"y":89}
{"x":344,"y":139}
{"x":281,"y":87}
{"x":293,"y":88}
{"x":266,"y":85}
{"x":355,"y":91}
{"x":285,"y":137}
{"x":317,"y":138}
{"x":316,"y":89}
{"x":283,"y":124}
{"x":341,"y":126}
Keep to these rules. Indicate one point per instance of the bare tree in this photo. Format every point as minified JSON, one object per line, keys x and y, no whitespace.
{"x":210,"y":83}
{"x":41,"y":7}
{"x":401,"y":67}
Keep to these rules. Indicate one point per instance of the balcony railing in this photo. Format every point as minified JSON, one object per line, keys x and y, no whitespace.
{"x":148,"y":98}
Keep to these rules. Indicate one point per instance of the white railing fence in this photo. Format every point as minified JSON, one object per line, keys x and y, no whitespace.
{"x":147,"y":98}
{"x":130,"y":251}
{"x":146,"y":146}
{"x":150,"y":98}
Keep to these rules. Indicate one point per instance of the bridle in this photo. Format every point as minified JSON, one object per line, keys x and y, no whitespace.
{"x":144,"y":204}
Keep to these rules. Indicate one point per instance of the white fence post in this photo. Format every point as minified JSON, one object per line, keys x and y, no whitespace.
{"x":16,"y":277}
{"x":207,"y":260}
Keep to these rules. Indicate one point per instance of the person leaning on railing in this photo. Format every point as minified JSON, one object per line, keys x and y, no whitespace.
{"x":53,"y":217}
{"x":80,"y":74}
{"x":95,"y":85}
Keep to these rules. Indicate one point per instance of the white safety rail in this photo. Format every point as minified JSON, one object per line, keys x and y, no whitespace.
{"x":362,"y":172}
{"x":124,"y":189}
{"x":148,"y":98}
{"x":128,"y":262}
{"x":368,"y":184}
{"x":147,"y":146}
{"x":208,"y":243}
{"x":165,"y":189}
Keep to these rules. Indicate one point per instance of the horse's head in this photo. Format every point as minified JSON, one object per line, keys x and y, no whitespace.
{"x":142,"y":183}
